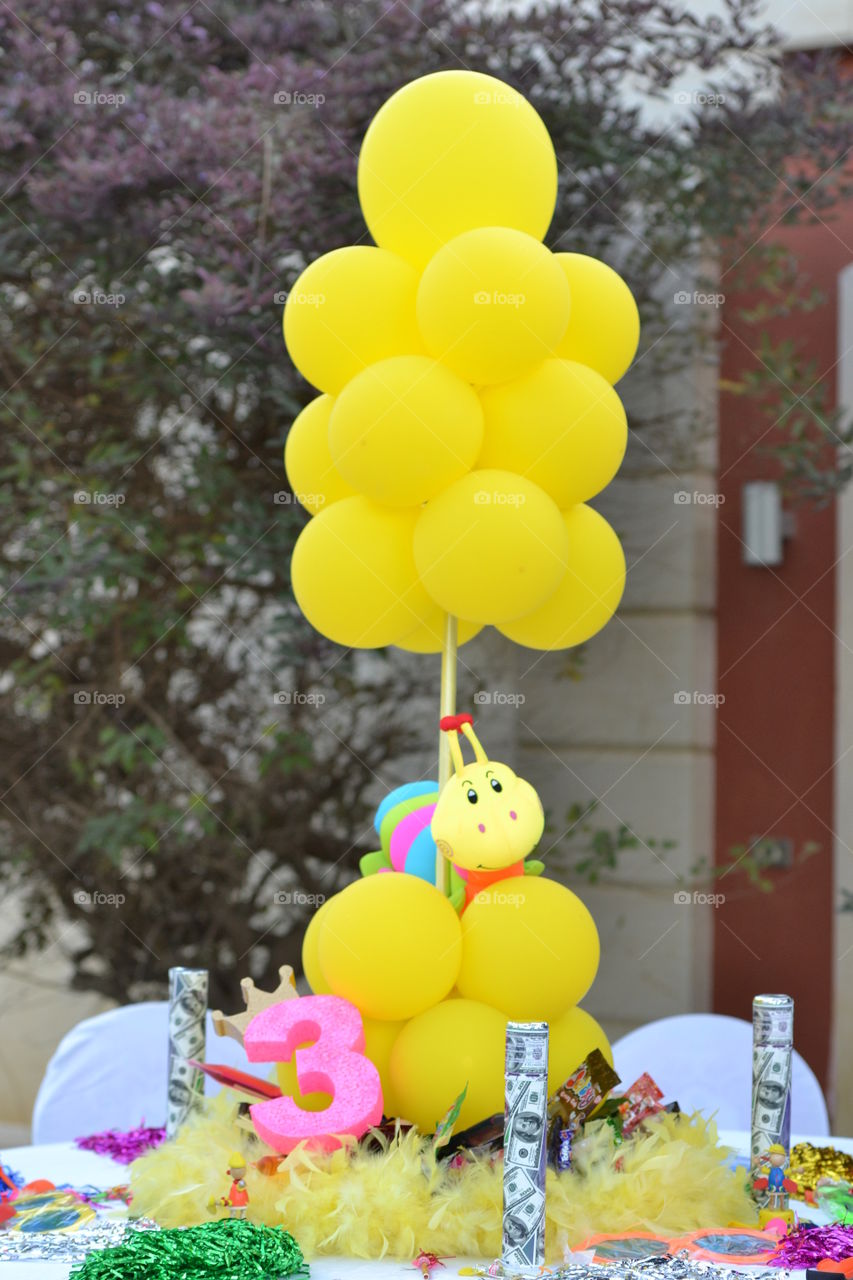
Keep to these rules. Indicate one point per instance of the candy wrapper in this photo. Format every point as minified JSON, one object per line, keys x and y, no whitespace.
{"x":772,"y":1045}
{"x":524,"y":1146}
{"x":187,"y":1012}
{"x":585,"y":1089}
{"x":642,"y":1099}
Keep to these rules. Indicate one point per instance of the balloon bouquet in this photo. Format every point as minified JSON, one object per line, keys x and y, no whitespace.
{"x":466,"y":416}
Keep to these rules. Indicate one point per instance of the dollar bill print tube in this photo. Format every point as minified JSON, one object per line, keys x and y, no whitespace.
{"x":772,"y":1046}
{"x":187,"y":1015}
{"x":525,"y":1132}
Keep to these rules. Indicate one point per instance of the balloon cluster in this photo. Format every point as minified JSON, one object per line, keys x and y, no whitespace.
{"x":467,"y":412}
{"x":435,"y":990}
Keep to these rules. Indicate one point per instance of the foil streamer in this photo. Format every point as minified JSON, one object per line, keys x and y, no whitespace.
{"x":772,"y":1043}
{"x":65,"y":1247}
{"x":187,"y":1012}
{"x":122,"y":1147}
{"x":227,"y":1250}
{"x":807,"y":1246}
{"x":525,"y":1131}
{"x":679,"y":1267}
{"x":809,"y":1163}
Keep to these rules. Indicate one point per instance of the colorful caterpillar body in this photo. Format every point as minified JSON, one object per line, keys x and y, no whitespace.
{"x":485,"y":821}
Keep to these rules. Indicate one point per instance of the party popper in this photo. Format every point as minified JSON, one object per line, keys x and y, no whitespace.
{"x":525,"y":1127}
{"x":772,"y":1046}
{"x":187,"y":1014}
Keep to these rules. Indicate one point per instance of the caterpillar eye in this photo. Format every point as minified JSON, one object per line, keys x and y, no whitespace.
{"x":472,"y":796}
{"x":496,"y":786}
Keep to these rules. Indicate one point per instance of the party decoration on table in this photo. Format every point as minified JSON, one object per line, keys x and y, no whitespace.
{"x":227,"y":1250}
{"x":187,"y":1013}
{"x":772,"y":1045}
{"x":836,"y":1201}
{"x":813,"y":1163}
{"x":333,"y":1062}
{"x":396,"y":1194}
{"x":773,"y":1187}
{"x":255,"y":1000}
{"x":682,"y":1267}
{"x":468,"y":409}
{"x":808,"y":1246}
{"x":625,"y":1246}
{"x":237,"y":1199}
{"x":426,"y":1263}
{"x":69,"y":1246}
{"x":523,"y":1227}
{"x":51,"y":1209}
{"x":123,"y":1146}
{"x":738,"y":1246}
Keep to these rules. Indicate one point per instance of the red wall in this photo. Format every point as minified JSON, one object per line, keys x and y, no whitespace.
{"x":775,"y":664}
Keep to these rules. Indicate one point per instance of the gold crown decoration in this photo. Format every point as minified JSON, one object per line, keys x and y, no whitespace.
{"x":255,"y":1000}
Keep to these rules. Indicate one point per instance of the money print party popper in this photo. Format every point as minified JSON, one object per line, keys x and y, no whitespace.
{"x":524,"y":1145}
{"x":187,"y":1013}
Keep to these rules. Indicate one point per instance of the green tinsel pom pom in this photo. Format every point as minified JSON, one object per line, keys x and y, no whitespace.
{"x":232,"y":1249}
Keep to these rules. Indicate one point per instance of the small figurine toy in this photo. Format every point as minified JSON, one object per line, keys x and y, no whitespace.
{"x":237,"y":1200}
{"x":776,"y":1186}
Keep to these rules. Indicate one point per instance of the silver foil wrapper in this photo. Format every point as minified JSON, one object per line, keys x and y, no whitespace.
{"x":187,"y":1013}
{"x":68,"y":1246}
{"x":525,"y":1130}
{"x":772,"y":1045}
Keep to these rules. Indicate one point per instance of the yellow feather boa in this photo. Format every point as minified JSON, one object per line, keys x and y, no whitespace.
{"x":670,"y":1177}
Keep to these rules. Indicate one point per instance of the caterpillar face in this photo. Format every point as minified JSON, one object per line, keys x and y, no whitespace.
{"x":487,"y":818}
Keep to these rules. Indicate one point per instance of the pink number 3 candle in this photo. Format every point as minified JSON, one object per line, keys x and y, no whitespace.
{"x":333,"y":1064}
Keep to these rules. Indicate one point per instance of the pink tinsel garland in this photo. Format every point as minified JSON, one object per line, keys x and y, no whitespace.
{"x":122,"y":1147}
{"x":806,"y":1246}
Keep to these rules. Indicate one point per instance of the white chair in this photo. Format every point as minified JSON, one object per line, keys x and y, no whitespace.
{"x":704,"y":1062}
{"x":110,"y":1072}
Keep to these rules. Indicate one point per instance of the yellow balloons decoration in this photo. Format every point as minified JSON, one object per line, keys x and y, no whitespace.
{"x":589,"y":593}
{"x":571,"y":1037}
{"x":561,"y":425}
{"x":405,"y":428}
{"x":349,"y":308}
{"x":310,"y":959}
{"x":604,"y":325}
{"x":428,"y":636}
{"x":491,"y":547}
{"x":354,"y":576}
{"x":379,"y":1040}
{"x":529,"y":947}
{"x":492,"y":303}
{"x":458,"y":1042}
{"x":449,"y":152}
{"x":312,"y":475}
{"x":391,"y":944}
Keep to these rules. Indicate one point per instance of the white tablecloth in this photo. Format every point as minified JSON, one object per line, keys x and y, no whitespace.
{"x":61,"y":1162}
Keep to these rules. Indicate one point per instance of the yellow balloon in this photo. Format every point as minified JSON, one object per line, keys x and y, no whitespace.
{"x":457,"y":1043}
{"x":310,"y":958}
{"x":529,"y":947}
{"x":492,"y":303}
{"x":571,"y":1037}
{"x":449,"y":152}
{"x":589,"y":593}
{"x":491,"y":547}
{"x":560,"y":425}
{"x":604,"y":324}
{"x":349,"y":308}
{"x":353,"y":574}
{"x":428,"y":636}
{"x":311,"y":473}
{"x":391,"y":944}
{"x":379,"y":1040}
{"x":404,"y":429}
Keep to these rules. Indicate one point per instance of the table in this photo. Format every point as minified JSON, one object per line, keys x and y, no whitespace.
{"x":61,"y":1162}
